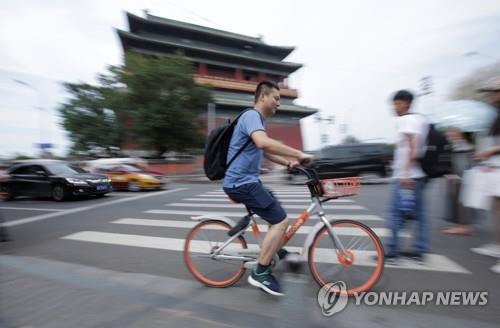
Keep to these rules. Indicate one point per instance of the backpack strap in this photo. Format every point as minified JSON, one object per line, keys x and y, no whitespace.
{"x":246,"y":143}
{"x":239,"y":152}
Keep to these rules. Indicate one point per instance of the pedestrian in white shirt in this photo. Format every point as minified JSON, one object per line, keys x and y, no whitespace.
{"x":408,"y":174}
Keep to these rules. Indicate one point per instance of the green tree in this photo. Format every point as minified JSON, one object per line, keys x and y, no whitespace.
{"x":152,"y":102}
{"x":163,"y":102}
{"x":88,"y":119}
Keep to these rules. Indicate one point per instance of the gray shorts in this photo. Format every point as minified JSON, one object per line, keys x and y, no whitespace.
{"x":258,"y":199}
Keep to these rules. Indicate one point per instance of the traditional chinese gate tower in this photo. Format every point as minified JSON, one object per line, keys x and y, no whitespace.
{"x":230,"y":64}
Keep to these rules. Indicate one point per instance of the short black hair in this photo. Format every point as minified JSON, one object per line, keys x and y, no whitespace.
{"x":403,"y":95}
{"x":265,"y":87}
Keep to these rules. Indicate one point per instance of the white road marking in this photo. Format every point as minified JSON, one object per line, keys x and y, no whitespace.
{"x":433,"y":262}
{"x":295,"y":207}
{"x":281,"y":199}
{"x":279,"y":196}
{"x":216,"y":193}
{"x":358,"y":217}
{"x":342,"y":231}
{"x":31,"y":209}
{"x":83,"y":208}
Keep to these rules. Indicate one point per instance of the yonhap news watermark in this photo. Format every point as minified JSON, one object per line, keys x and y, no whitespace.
{"x":332,"y":298}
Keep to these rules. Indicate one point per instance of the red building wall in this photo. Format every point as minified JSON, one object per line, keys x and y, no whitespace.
{"x":288,"y":133}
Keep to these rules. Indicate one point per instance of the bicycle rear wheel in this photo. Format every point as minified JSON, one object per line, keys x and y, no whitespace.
{"x":201,"y":242}
{"x":360,"y":267}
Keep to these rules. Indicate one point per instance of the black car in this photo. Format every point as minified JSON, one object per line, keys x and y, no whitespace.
{"x":50,"y":178}
{"x":352,"y":160}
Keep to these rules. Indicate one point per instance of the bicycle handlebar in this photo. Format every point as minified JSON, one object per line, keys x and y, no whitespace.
{"x":300,"y":169}
{"x":313,"y":179}
{"x":306,"y":170}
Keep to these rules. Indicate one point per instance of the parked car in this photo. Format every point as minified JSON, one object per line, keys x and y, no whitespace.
{"x":106,"y":162}
{"x":352,"y":160}
{"x":51,"y":178}
{"x":130,"y":177}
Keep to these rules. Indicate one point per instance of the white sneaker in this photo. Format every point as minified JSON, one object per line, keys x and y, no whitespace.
{"x":496,"y":268}
{"x":488,"y":250}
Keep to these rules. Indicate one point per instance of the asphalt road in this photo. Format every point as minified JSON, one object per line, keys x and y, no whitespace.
{"x":112,"y":262}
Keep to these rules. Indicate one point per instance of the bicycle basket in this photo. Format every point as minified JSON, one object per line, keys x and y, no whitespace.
{"x":341,"y":187}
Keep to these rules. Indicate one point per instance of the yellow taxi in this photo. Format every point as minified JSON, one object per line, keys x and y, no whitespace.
{"x":130,"y":177}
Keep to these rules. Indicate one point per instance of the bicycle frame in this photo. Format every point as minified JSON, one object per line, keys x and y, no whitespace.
{"x":230,"y":246}
{"x":314,"y":208}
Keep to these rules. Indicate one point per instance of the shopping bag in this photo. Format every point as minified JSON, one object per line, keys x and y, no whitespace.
{"x":475,"y":191}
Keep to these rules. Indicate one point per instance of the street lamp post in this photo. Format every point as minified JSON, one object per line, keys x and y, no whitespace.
{"x":426,"y":85}
{"x":210,"y":117}
{"x":42,"y":146}
{"x":323,"y":137}
{"x":427,"y":92}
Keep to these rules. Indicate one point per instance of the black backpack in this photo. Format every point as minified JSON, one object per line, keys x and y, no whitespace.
{"x":216,"y":149}
{"x":436,"y":160}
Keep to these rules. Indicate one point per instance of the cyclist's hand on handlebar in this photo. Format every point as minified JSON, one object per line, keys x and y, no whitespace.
{"x":305,"y":159}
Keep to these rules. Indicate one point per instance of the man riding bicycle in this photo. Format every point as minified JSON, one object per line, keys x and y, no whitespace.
{"x":242,"y":184}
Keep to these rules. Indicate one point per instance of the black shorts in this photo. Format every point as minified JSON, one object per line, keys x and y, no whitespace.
{"x":260,"y":200}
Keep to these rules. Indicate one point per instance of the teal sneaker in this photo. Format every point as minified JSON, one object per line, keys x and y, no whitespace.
{"x":282,"y":253}
{"x":266,"y":282}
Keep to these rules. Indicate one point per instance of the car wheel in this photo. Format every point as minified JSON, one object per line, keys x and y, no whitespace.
{"x":133,"y":186}
{"x":6,"y":193}
{"x":59,"y":193}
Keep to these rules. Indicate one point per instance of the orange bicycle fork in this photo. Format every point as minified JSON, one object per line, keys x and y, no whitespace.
{"x":345,"y":256}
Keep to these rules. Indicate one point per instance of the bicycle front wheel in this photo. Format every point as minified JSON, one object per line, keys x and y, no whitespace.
{"x":205,"y":239}
{"x":359,"y":267}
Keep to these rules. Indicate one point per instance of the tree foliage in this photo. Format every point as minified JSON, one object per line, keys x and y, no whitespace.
{"x":152,"y":102}
{"x":88,"y":119}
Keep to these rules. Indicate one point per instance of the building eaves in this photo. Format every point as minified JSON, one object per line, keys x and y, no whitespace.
{"x":210,"y":62}
{"x":125,"y":34}
{"x":209,"y":30}
{"x":207,"y":45}
{"x":291,"y":108}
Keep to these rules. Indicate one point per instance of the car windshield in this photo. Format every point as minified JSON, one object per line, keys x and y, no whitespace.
{"x":129,"y":168}
{"x":61,"y":168}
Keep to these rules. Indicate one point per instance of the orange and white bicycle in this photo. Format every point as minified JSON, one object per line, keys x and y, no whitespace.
{"x":217,"y":253}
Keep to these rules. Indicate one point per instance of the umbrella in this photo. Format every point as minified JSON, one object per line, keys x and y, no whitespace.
{"x":466,"y":115}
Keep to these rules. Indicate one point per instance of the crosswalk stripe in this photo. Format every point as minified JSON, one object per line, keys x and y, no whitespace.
{"x":295,"y":207}
{"x":341,"y":231}
{"x":291,"y":198}
{"x":282,"y":200}
{"x":358,"y":217}
{"x":279,"y":193}
{"x":83,"y":208}
{"x":31,"y":209}
{"x":434,"y":262}
{"x":304,"y":196}
{"x":303,"y":190}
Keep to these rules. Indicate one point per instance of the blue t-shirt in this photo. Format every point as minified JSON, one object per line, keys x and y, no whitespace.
{"x":245,"y":168}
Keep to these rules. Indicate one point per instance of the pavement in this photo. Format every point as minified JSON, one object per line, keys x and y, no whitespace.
{"x":117,"y":262}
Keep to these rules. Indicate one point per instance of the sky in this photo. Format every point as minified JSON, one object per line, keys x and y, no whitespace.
{"x":355,"y":55}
